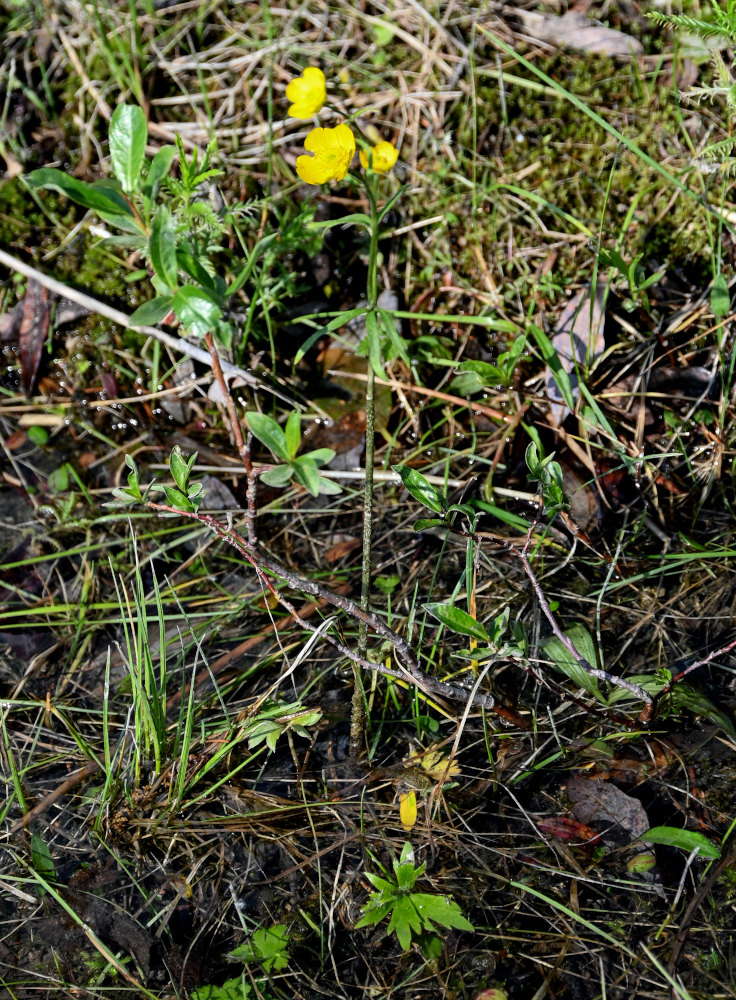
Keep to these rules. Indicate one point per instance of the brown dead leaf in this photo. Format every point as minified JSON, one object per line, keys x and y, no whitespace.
{"x":577,"y":341}
{"x":575,"y":31}
{"x":34,"y":328}
{"x":344,"y":545}
{"x":595,"y":801}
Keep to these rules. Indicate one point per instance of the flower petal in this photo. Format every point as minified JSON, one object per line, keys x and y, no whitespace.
{"x":380,"y":159}
{"x":307,"y":93}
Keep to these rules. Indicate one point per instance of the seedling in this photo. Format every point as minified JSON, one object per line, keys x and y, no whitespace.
{"x":412,"y":913}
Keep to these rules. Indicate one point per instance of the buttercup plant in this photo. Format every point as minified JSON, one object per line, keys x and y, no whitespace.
{"x":333,"y":150}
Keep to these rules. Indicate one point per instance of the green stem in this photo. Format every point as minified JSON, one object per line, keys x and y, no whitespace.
{"x":358,"y":717}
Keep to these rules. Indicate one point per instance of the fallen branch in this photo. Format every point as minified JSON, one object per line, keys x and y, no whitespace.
{"x":409,"y":670}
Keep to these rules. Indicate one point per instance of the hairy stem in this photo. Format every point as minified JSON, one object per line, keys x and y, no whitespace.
{"x":358,"y":718}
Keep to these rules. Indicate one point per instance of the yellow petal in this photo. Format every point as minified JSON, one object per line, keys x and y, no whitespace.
{"x":333,"y":150}
{"x":408,"y":809}
{"x":307,"y":93}
{"x":312,"y":170}
{"x":380,"y":158}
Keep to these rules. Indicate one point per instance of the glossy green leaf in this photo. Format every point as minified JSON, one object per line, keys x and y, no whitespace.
{"x":128,"y":135}
{"x":565,"y":662}
{"x":162,"y":247}
{"x":270,"y":434}
{"x":457,"y":620}
{"x":421,"y":489}
{"x":180,"y":467}
{"x":159,"y":168}
{"x":293,"y":432}
{"x":197,"y":310}
{"x":688,"y":840}
{"x":153,"y":311}
{"x":428,"y":522}
{"x":99,"y":199}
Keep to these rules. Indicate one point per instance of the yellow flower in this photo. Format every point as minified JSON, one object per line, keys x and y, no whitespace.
{"x":408,"y":809}
{"x":307,"y":93}
{"x":380,"y":159}
{"x":333,"y":150}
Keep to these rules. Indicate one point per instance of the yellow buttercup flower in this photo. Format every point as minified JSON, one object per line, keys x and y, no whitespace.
{"x":307,"y":93}
{"x":333,"y":150}
{"x":380,"y":159}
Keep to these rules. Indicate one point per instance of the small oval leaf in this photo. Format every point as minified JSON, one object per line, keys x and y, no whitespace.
{"x":458,"y":620}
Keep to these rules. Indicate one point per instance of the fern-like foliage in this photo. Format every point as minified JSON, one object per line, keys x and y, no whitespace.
{"x":723,"y":23}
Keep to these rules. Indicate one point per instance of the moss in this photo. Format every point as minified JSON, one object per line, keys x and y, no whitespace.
{"x":570,"y":163}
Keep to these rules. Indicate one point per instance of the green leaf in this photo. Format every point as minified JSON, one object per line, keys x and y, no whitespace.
{"x":99,"y":199}
{"x":268,"y":946}
{"x":370,"y":346}
{"x":421,"y":489}
{"x":279,"y":476}
{"x":128,"y":136}
{"x":293,"y":432}
{"x":428,"y":522}
{"x":355,"y":218}
{"x":688,"y":840}
{"x":457,"y":620}
{"x":404,"y":920}
{"x":321,"y":456}
{"x":153,"y":311}
{"x":685,"y":696}
{"x":41,"y":858}
{"x":180,"y":467}
{"x":197,"y":310}
{"x":231,"y":989}
{"x":269,"y":433}
{"x":565,"y":662}
{"x":440,"y":910}
{"x":162,"y":247}
{"x":720,"y":296}
{"x":334,"y":324}
{"x":305,"y":472}
{"x":328,"y":487}
{"x":159,"y":168}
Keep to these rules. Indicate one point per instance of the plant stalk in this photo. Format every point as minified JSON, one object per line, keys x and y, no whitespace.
{"x":358,"y":714}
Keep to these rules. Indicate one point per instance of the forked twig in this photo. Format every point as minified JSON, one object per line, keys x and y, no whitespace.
{"x":523,"y":555}
{"x":409,"y":670}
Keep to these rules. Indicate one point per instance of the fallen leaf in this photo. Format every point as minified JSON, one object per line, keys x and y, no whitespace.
{"x":577,"y":341}
{"x":567,"y":829}
{"x":595,"y":801}
{"x":576,"y":31}
{"x":344,"y":545}
{"x":34,"y":328}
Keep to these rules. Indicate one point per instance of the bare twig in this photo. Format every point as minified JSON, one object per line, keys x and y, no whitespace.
{"x":523,"y":555}
{"x":409,"y":670}
{"x":121,"y":318}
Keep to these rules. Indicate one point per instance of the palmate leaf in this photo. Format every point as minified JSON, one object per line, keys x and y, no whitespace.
{"x":434,"y":909}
